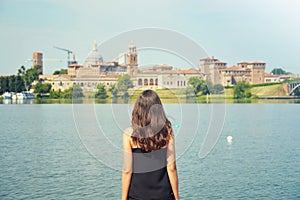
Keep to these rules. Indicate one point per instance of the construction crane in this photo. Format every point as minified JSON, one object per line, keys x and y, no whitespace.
{"x":67,"y":50}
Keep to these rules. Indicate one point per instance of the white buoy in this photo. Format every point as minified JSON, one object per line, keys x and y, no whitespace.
{"x":229,"y":139}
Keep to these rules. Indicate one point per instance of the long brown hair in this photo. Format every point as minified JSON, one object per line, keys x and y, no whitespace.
{"x":151,"y":128}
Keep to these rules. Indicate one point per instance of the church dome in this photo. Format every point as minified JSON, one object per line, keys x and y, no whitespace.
{"x":94,"y":57}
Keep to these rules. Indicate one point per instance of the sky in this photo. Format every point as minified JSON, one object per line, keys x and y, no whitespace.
{"x":230,"y":30}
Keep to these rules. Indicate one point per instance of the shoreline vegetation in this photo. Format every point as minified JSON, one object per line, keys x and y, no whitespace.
{"x":198,"y":90}
{"x":272,"y":93}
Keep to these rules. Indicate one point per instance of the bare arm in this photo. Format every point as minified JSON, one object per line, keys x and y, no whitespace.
{"x":171,"y":166}
{"x":127,"y":165}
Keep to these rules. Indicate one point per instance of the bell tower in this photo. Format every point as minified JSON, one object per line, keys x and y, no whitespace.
{"x":132,"y":60}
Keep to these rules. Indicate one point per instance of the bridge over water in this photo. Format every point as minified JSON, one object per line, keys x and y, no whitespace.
{"x":292,"y":87}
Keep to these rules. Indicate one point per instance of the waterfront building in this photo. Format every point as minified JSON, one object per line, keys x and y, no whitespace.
{"x":211,"y":68}
{"x":73,"y":69}
{"x":218,"y":73}
{"x":232,"y":75}
{"x":271,"y":78}
{"x":207,"y":63}
{"x":94,"y":58}
{"x":132,"y":60}
{"x":257,"y":71}
{"x":285,"y":77}
{"x":164,"y":76}
{"x":37,"y":59}
{"x":95,"y":71}
{"x":87,"y":83}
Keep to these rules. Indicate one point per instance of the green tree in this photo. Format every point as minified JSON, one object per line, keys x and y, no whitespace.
{"x":38,"y":69}
{"x":57,"y":94}
{"x":56,"y":72}
{"x":42,"y":88}
{"x":22,"y":73}
{"x":113,"y":90}
{"x":67,"y":93}
{"x":12,"y":83}
{"x":28,"y":76}
{"x":217,"y":89}
{"x":279,"y":71}
{"x":19,"y":84}
{"x":189,"y":92}
{"x":124,"y":83}
{"x":72,"y":92}
{"x":101,"y":92}
{"x":242,"y":90}
{"x":198,"y":84}
{"x":4,"y":84}
{"x":77,"y":91}
{"x":61,"y":71}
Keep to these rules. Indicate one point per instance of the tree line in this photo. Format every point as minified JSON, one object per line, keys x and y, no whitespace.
{"x":21,"y":81}
{"x":24,"y":78}
{"x":197,"y":87}
{"x":120,"y":89}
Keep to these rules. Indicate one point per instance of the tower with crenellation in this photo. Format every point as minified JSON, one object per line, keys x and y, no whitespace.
{"x":37,"y":61}
{"x":257,"y":75}
{"x":132,"y":60}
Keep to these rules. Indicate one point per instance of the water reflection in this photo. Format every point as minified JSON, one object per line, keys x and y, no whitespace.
{"x":18,"y":101}
{"x":121,"y":100}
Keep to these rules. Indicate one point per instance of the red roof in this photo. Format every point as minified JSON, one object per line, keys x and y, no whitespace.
{"x":270,"y":75}
{"x":234,"y":68}
{"x":249,"y":63}
{"x":188,"y":71}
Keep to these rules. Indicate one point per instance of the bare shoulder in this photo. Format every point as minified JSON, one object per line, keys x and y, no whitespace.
{"x":128,"y":131}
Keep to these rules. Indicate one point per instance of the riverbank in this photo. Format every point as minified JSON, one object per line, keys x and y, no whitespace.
{"x":260,"y":94}
{"x":275,"y":90}
{"x":210,"y":99}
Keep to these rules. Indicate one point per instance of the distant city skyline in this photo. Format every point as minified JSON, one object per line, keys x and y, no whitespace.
{"x":232,"y":30}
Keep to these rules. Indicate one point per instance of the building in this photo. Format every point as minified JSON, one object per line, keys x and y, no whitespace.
{"x":88,"y":83}
{"x":233,"y":75}
{"x":211,"y":68}
{"x":207,"y":63}
{"x":132,"y":60}
{"x":257,"y":71}
{"x":286,"y":77}
{"x":218,"y":73}
{"x":94,"y":71}
{"x":37,"y":60}
{"x":271,"y":78}
{"x":164,"y":76}
{"x":94,"y":58}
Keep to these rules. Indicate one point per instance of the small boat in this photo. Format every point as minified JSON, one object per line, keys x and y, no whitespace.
{"x":6,"y":95}
{"x":6,"y":101}
{"x":13,"y":96}
{"x":28,"y":95}
{"x":20,"y":96}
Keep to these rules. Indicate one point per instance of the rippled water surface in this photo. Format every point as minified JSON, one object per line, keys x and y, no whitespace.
{"x":43,"y":156}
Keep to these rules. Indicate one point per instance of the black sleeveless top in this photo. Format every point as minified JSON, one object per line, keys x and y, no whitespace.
{"x":150,"y":178}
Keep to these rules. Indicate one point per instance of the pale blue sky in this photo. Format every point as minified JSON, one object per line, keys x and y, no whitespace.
{"x":231,"y":30}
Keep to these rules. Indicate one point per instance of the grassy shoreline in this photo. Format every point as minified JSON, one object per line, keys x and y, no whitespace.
{"x":178,"y":96}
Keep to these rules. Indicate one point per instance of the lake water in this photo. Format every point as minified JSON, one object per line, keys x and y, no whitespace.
{"x":65,"y":151}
